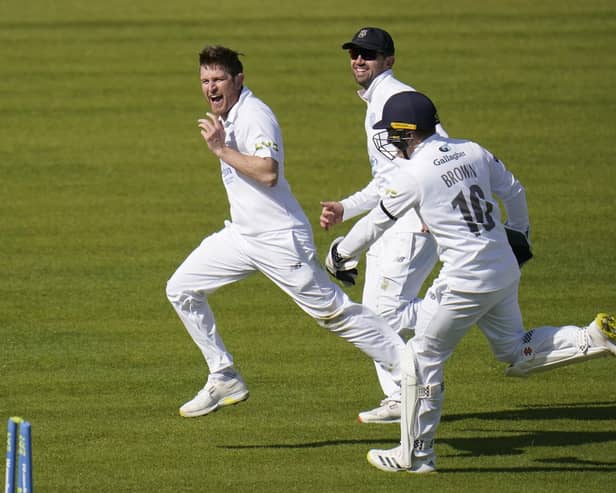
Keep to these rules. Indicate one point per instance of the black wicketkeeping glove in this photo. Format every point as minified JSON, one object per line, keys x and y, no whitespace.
{"x":520,"y":245}
{"x":345,"y":270}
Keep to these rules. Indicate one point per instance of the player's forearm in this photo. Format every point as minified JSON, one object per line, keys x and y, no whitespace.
{"x":513,"y":195}
{"x":261,"y":169}
{"x":359,"y":202}
{"x":517,"y":210}
{"x":365,"y":232}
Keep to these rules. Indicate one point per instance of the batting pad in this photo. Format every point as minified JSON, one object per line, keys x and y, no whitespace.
{"x":408,"y":414}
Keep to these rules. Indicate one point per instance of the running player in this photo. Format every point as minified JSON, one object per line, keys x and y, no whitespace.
{"x":268,"y":232}
{"x":399,"y":262}
{"x":452,"y":185}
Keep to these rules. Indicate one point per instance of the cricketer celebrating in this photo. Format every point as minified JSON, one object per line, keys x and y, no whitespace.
{"x":400,"y":261}
{"x":268,"y":232}
{"x":451,"y":184}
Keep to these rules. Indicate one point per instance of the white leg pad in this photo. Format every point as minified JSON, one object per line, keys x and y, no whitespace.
{"x":411,"y":395}
{"x":408,"y":412}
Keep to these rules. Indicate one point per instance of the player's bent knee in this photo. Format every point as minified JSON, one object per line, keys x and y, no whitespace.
{"x":170,"y":293}
{"x":182,"y":298}
{"x":173,"y":290}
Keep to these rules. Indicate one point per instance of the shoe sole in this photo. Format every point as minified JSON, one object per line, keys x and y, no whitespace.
{"x":226,"y":401}
{"x":379,"y":465}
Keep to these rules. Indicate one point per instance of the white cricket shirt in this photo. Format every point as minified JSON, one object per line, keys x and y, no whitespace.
{"x":251,"y":128}
{"x":451,"y":184}
{"x":376,"y":95}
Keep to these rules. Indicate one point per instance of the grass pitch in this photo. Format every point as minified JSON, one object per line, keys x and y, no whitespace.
{"x":107,"y":186}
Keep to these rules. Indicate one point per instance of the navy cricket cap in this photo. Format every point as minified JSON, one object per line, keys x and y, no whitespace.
{"x":372,"y":38}
{"x":408,"y":110}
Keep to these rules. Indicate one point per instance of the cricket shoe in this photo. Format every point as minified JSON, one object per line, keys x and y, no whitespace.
{"x":604,"y":329}
{"x":387,"y":412}
{"x":218,"y":392}
{"x":391,"y":461}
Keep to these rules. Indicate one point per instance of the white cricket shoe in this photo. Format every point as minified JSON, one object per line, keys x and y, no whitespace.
{"x":391,"y":461}
{"x":604,"y":329}
{"x":218,"y":392}
{"x":387,"y":412}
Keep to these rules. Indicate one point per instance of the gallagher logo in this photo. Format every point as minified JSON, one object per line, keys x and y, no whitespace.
{"x":527,"y":351}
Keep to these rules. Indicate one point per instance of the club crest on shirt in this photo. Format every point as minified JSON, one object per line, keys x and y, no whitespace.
{"x":266,"y":145}
{"x":390,"y":192}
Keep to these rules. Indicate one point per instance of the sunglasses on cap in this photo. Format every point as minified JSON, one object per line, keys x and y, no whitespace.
{"x":364,"y":53}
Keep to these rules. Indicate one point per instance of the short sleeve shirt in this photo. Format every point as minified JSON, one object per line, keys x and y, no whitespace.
{"x":252,"y":129}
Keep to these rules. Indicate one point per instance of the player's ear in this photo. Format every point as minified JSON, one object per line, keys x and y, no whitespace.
{"x":239,"y":80}
{"x":389,"y":61}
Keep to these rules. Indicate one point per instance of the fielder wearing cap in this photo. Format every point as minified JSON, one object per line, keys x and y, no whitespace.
{"x":372,"y":38}
{"x":453,"y":185}
{"x":398,"y":263}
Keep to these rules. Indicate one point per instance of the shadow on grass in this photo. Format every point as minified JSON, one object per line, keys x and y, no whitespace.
{"x":587,"y":411}
{"x":520,"y":438}
{"x":512,"y":444}
{"x":516,"y":444}
{"x":529,"y":469}
{"x":476,"y":446}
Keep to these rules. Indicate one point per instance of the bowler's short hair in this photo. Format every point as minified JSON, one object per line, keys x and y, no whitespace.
{"x":223,"y":57}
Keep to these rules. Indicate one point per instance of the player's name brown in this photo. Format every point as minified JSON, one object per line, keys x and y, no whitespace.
{"x":458,"y":174}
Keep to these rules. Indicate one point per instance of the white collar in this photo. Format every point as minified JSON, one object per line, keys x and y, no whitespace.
{"x":232,"y":115}
{"x":366,"y":94}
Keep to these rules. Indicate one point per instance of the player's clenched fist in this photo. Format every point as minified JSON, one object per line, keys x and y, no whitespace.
{"x":331,"y":213}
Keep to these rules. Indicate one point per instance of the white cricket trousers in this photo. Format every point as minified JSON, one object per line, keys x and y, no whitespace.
{"x":397,"y":265}
{"x":445,"y":316}
{"x":289,"y":259}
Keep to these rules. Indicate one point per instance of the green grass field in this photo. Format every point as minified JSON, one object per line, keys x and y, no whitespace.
{"x":107,"y":186}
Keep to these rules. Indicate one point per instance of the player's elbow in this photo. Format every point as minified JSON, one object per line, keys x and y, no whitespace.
{"x":269,"y":177}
